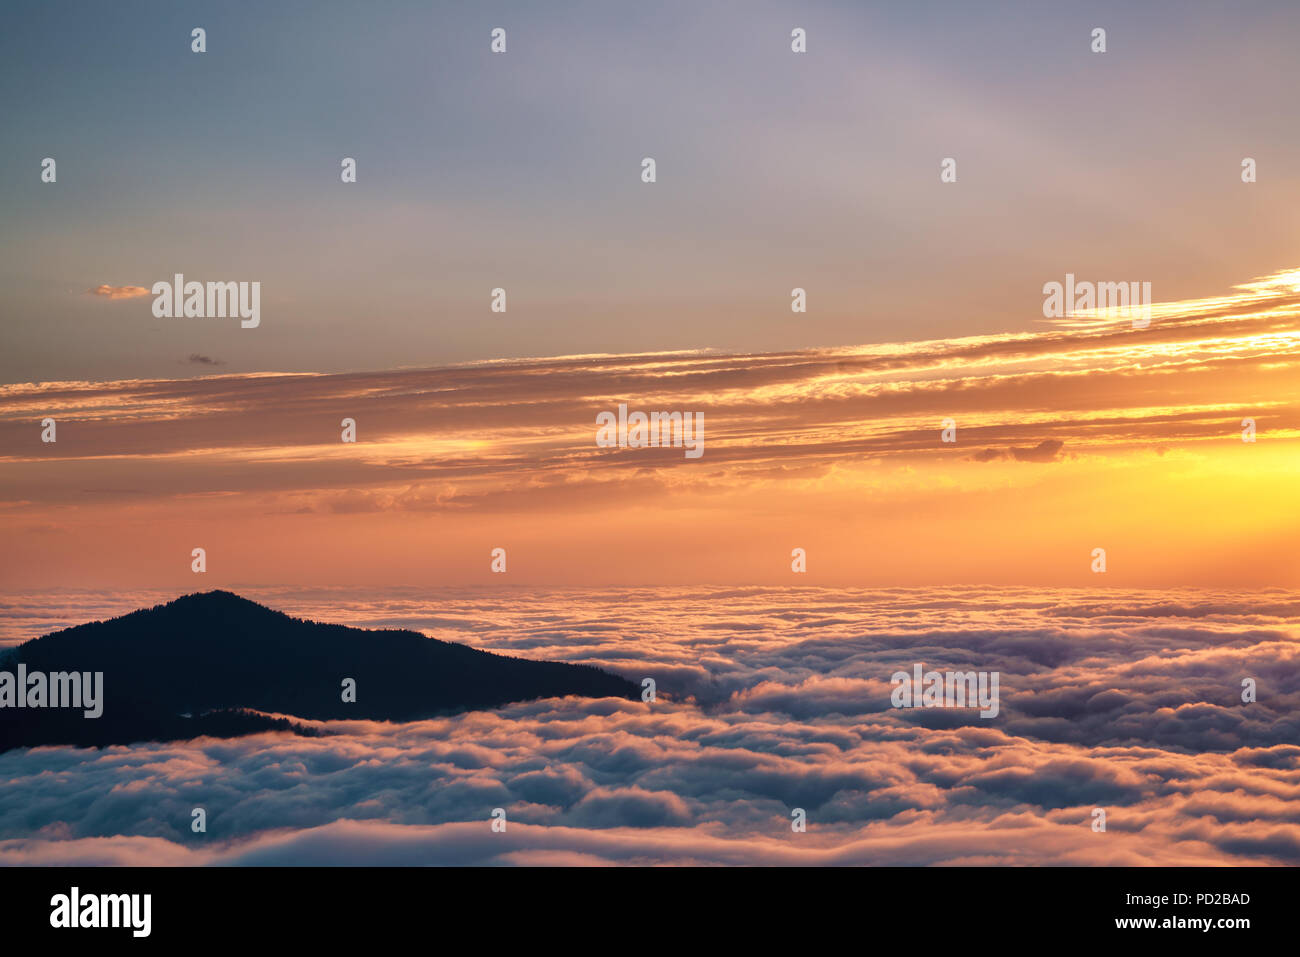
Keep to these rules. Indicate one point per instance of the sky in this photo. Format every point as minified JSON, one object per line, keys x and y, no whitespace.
{"x":522,"y":171}
{"x":923,"y":467}
{"x":775,"y":170}
{"x":1089,"y":434}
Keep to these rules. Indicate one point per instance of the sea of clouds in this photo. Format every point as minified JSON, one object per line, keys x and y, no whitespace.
{"x":770,"y":699}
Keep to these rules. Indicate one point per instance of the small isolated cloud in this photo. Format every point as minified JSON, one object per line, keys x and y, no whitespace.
{"x":1044,"y":451}
{"x":119,"y":292}
{"x":198,"y":360}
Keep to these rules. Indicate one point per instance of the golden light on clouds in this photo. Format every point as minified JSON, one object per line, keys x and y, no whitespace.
{"x":1092,"y":435}
{"x":119,"y":292}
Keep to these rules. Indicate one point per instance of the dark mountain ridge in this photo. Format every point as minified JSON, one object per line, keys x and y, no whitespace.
{"x":220,"y":657}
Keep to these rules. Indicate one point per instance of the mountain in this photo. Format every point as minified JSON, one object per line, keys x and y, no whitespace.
{"x":223,"y":658}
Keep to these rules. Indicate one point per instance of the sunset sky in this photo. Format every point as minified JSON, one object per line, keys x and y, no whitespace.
{"x":774,"y":171}
{"x":1163,"y":690}
{"x":1068,"y":439}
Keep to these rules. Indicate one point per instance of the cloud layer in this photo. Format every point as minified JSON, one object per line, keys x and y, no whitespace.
{"x":771,"y":699}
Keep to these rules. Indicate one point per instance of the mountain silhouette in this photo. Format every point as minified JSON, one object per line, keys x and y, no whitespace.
{"x":211,"y":663}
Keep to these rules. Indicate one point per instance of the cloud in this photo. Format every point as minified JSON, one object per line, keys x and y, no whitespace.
{"x":1044,"y":451}
{"x":119,"y":292}
{"x":1126,"y":700}
{"x":196,"y":359}
{"x":519,"y":434}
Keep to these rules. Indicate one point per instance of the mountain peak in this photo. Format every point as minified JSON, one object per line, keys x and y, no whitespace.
{"x":216,"y":594}
{"x":216,"y":600}
{"x":218,"y":651}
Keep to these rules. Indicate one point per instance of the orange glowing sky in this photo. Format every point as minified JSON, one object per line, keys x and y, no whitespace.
{"x":1085,"y":434}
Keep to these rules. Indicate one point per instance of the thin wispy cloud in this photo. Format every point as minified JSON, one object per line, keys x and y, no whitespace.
{"x":1045,"y":417}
